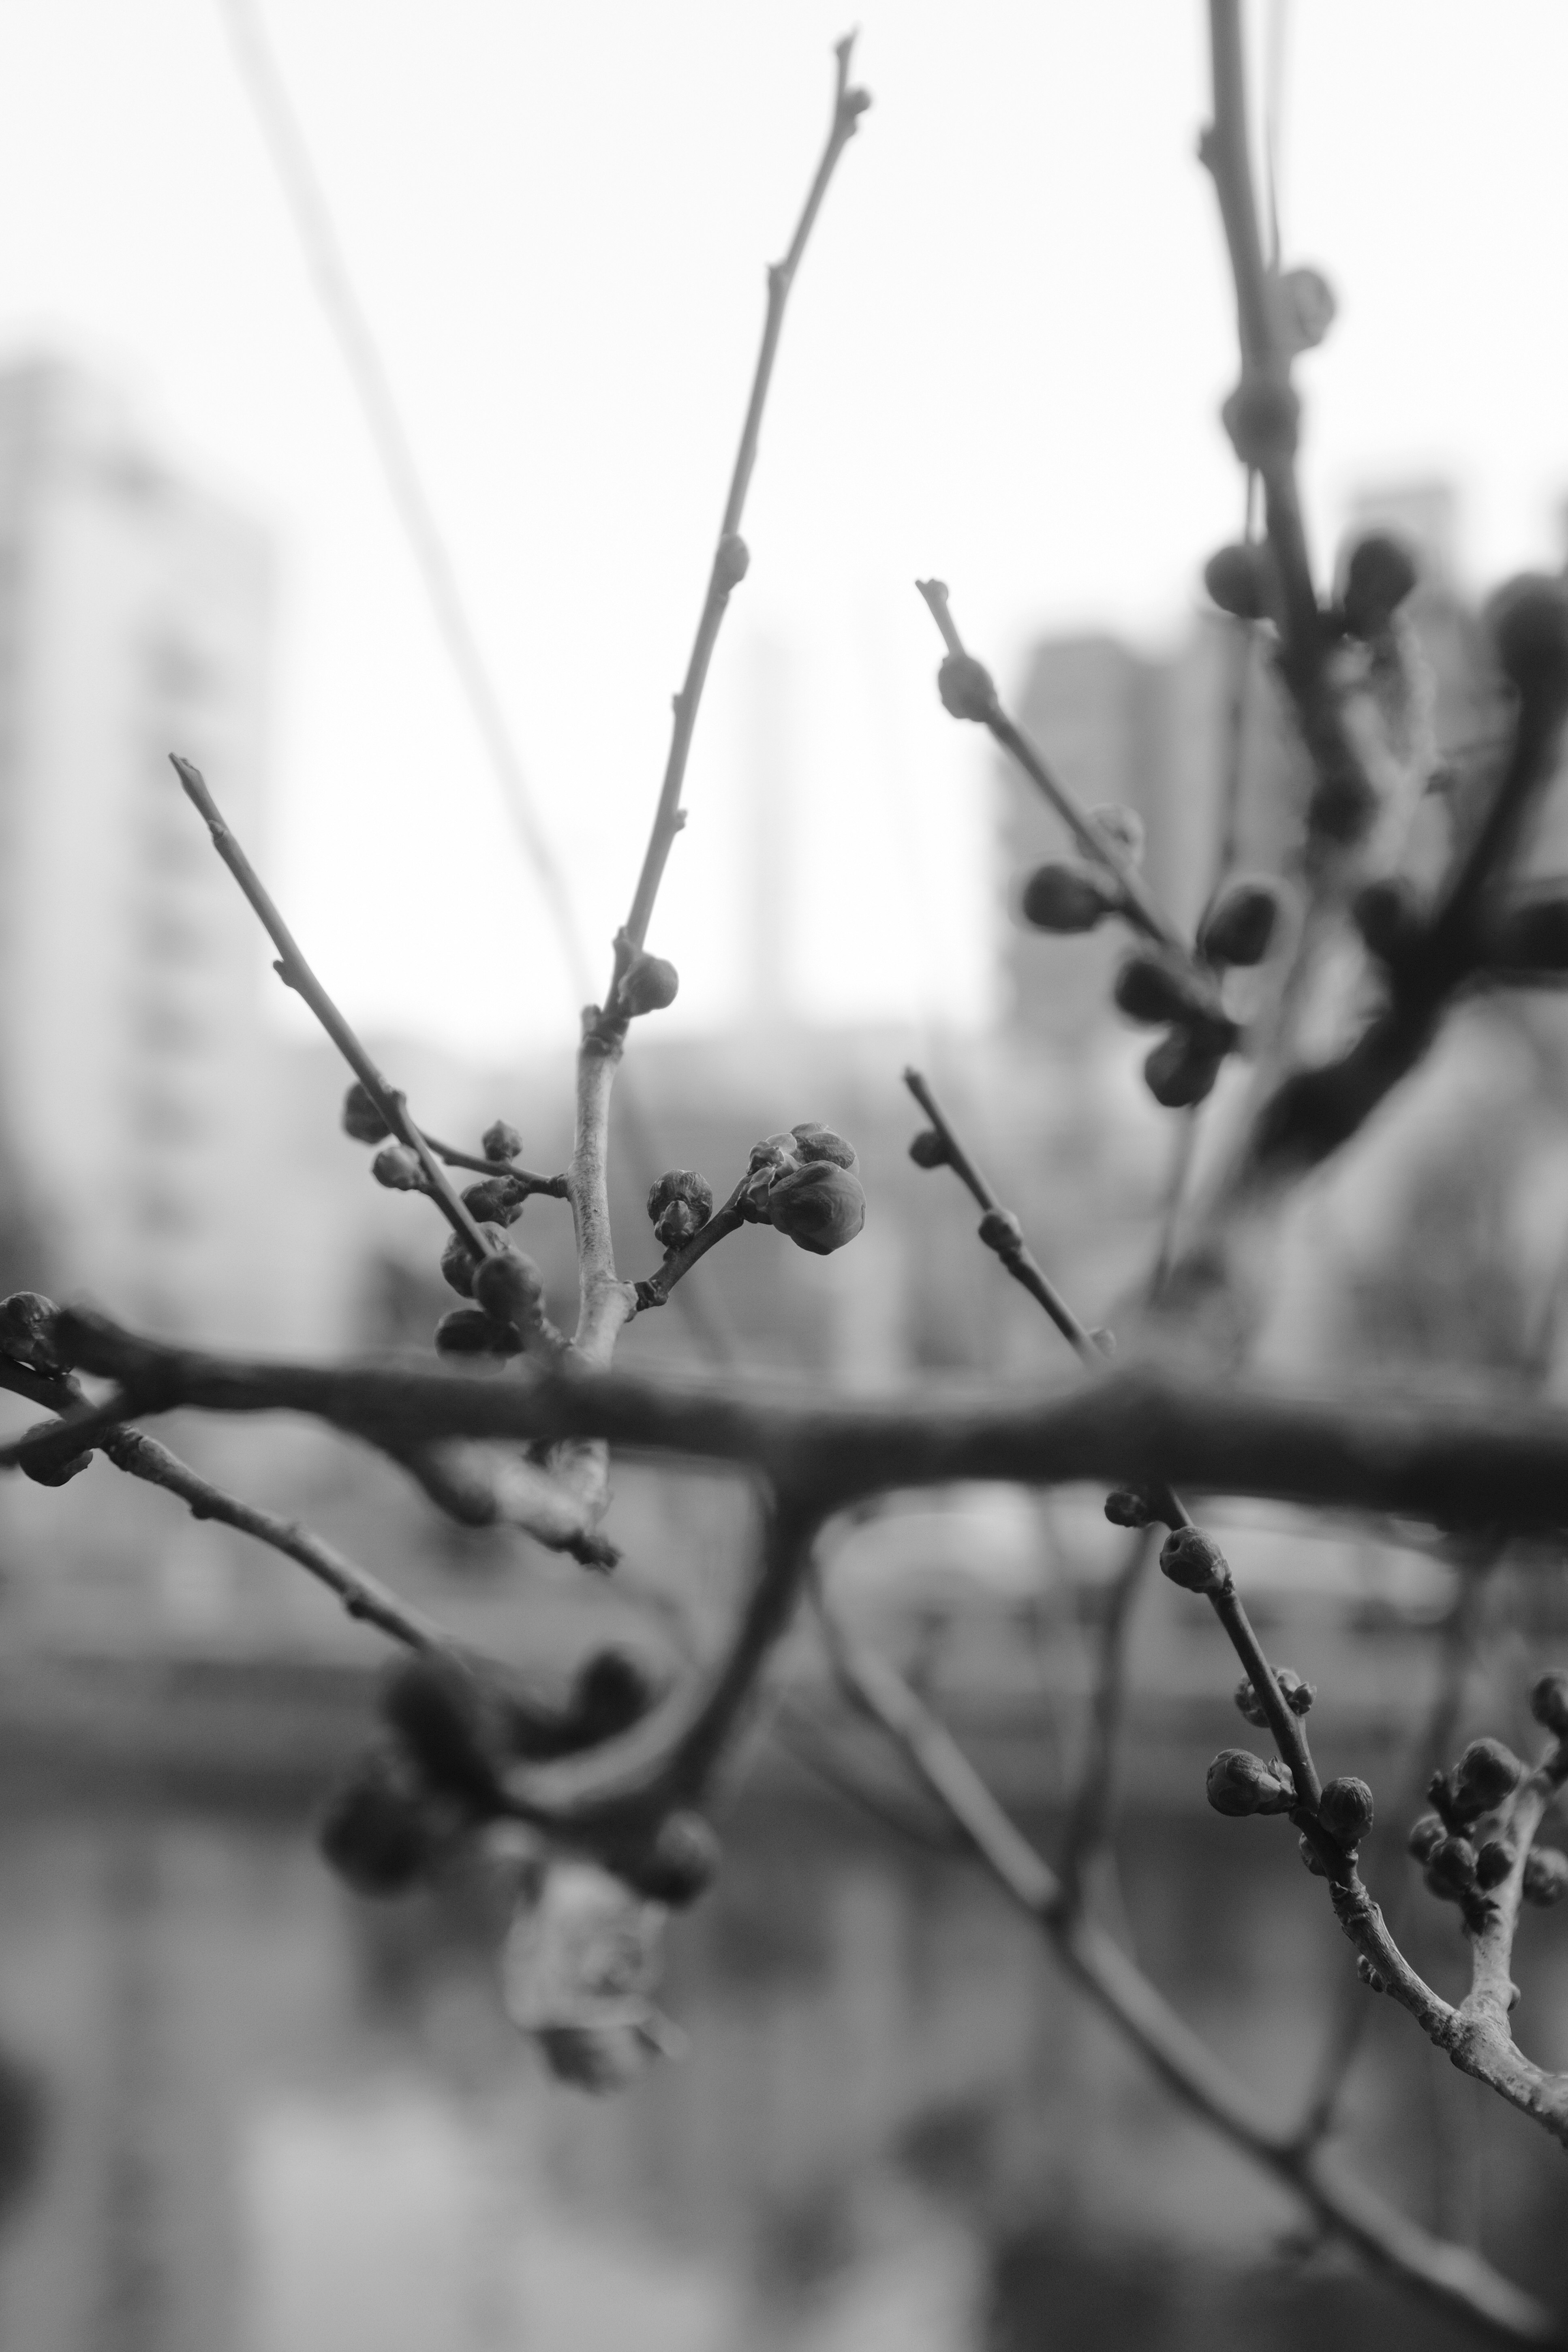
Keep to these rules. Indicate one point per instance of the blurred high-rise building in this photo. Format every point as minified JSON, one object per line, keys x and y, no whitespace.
{"x":135,"y":620}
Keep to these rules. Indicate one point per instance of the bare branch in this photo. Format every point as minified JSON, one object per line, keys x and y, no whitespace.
{"x":1449,"y":2277}
{"x":298,"y":975}
{"x":729,"y":556}
{"x":1090,"y":1812}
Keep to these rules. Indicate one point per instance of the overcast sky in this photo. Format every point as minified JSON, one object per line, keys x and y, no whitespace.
{"x":1003,"y":365}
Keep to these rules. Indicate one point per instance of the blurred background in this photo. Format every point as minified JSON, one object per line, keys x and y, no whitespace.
{"x":238,"y":2108}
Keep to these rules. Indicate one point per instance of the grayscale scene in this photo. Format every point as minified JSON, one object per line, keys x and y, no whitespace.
{"x":783,"y":1176}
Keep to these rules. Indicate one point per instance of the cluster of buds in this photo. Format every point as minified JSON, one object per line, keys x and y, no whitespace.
{"x":1463,"y":1845}
{"x":1158,"y":986}
{"x":1297,"y":1694}
{"x":805,"y":1184}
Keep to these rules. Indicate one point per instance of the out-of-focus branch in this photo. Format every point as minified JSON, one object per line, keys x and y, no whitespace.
{"x":730,"y":557}
{"x":1265,"y":430}
{"x":1089,"y":1814}
{"x":1455,"y":1464}
{"x":1449,"y":2277}
{"x":297,"y":974}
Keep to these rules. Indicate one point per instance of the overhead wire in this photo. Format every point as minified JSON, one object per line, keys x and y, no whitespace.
{"x":262,"y":80}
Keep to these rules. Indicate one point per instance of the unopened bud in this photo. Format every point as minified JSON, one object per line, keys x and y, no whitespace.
{"x":680,"y":1203}
{"x":1344,"y":1809}
{"x":1239,"y":1783}
{"x":1263,"y":418}
{"x":500,"y":1140}
{"x":1066,"y":896}
{"x":1297,"y":1694}
{"x":819,"y":1206}
{"x":372,"y":1831}
{"x":814,"y":1141}
{"x":1304,"y":308}
{"x":469,"y":1331}
{"x":1181,"y":1069}
{"x":1373,"y":1978}
{"x":1545,"y":1875}
{"x":679,"y":1864}
{"x":59,"y":1473}
{"x":1241,"y":924}
{"x":1425,"y":1835}
{"x":732,"y":561}
{"x":1127,"y":1506}
{"x":495,"y":1200}
{"x":509,"y":1289}
{"x":1000,"y":1231}
{"x":1153,"y":988}
{"x":1379,"y":576}
{"x":1528,"y":620}
{"x":458,"y":1259}
{"x":1192,"y":1559}
{"x":1548,"y":1701}
{"x":1240,"y":581}
{"x":1451,"y":1866}
{"x":1485,"y":1774}
{"x":361,"y":1117}
{"x":1122,"y":827}
{"x":1494,"y":1861}
{"x":398,"y":1169}
{"x":966,"y":687}
{"x":928,"y":1150}
{"x":27,"y":1331}
{"x":647,"y":984}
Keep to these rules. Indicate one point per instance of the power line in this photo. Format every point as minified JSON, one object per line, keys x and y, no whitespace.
{"x":285,"y":141}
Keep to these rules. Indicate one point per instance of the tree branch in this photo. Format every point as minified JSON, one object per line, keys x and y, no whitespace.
{"x":1449,"y":2277}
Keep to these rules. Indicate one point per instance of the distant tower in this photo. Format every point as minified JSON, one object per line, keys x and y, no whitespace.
{"x":134,"y":615}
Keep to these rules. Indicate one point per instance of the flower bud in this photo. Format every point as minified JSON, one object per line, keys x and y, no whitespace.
{"x":1239,"y":1783}
{"x":1195,"y":1561}
{"x":1545,"y":1875}
{"x":966,"y":687}
{"x":457,"y":1260}
{"x":1493,"y":1861}
{"x":27,"y":1331}
{"x":1181,"y":1069}
{"x":440,"y":1714}
{"x":469,"y":1331}
{"x":679,"y":1863}
{"x":1240,"y":925}
{"x":680,"y":1204}
{"x":1549,"y":1702}
{"x":495,"y":1200}
{"x":1387,"y":913}
{"x":59,"y":1473}
{"x":1373,"y":1978}
{"x":1379,"y":576}
{"x":509,"y":1289}
{"x":398,"y":1169}
{"x":732,"y":561}
{"x":1344,"y":1809}
{"x":372,"y":1831}
{"x":1297,"y":1694}
{"x":1262,"y":417}
{"x":1127,"y":1506}
{"x":1426,"y":1835}
{"x":928,"y":1149}
{"x":1310,"y":1856}
{"x":613,"y":1691}
{"x":361,"y":1118}
{"x":1000,"y":1231}
{"x":1240,"y":580}
{"x":647,"y":984}
{"x":1529,"y":621}
{"x":1122,"y":827}
{"x":500,"y":1140}
{"x":814,"y":1141}
{"x":1153,"y":988}
{"x":1451,"y":1867}
{"x":1067,"y":895}
{"x":819,"y":1206}
{"x":1485,"y":1774}
{"x":1304,"y":309}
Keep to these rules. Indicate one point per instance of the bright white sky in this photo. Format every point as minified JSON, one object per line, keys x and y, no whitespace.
{"x":1003,"y":365}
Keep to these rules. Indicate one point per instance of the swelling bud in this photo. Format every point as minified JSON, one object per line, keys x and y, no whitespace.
{"x":500,"y":1140}
{"x":1192,"y":1559}
{"x":679,"y":1863}
{"x":469,"y":1331}
{"x":818,"y":1205}
{"x":398,"y":1169}
{"x":1379,"y":576}
{"x":509,"y":1289}
{"x":1545,"y":1875}
{"x":1065,"y":897}
{"x":927,"y":1150}
{"x":813,"y":1141}
{"x":1344,"y":1809}
{"x":372,"y":1831}
{"x":680,"y":1204}
{"x":966,"y":687}
{"x":649,"y":984}
{"x":361,"y":1118}
{"x":1239,"y":927}
{"x":1263,"y":418}
{"x":1297,"y":1694}
{"x":1181,"y":1069}
{"x":1239,"y":1783}
{"x":27,"y":1331}
{"x":1240,"y":580}
{"x":457,"y":1261}
{"x":1485,"y":1774}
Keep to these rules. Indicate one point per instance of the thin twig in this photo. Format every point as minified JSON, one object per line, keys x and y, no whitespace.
{"x":1450,"y":2277}
{"x":1088,"y":1811}
{"x":730,"y":555}
{"x":298,"y":975}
